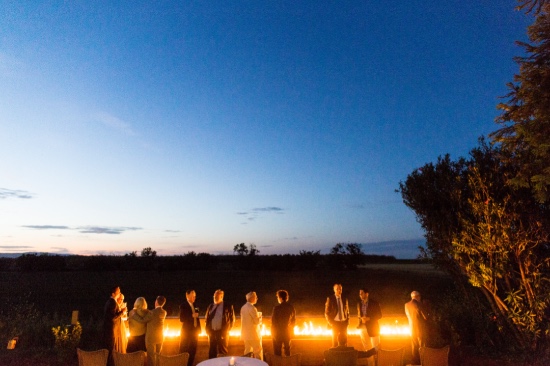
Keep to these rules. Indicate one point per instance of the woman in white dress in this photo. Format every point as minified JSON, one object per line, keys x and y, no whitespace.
{"x":123,"y":329}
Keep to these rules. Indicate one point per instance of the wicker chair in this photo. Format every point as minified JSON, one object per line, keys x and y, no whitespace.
{"x":386,"y":357}
{"x":176,"y":360}
{"x":129,"y":359}
{"x":274,"y":360}
{"x":92,"y":358}
{"x":340,"y":358}
{"x":434,"y":356}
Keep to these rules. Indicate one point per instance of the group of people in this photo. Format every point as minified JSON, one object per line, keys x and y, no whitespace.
{"x":146,"y":326}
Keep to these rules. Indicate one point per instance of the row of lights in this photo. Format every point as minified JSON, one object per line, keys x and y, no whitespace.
{"x":308,"y":329}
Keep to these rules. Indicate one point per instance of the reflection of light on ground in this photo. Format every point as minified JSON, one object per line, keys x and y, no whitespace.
{"x":316,"y":327}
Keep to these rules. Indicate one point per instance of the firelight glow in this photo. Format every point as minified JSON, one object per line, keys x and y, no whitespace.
{"x":389,"y":327}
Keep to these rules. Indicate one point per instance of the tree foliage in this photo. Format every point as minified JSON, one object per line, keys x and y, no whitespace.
{"x":497,"y":237}
{"x":529,"y":6}
{"x":148,"y":252}
{"x":525,"y":131}
{"x":240,"y":249}
{"x":346,"y":255}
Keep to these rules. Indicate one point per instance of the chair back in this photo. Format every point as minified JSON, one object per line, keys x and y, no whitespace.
{"x":129,"y":359}
{"x":340,"y":358}
{"x":434,"y":356}
{"x":175,"y":360}
{"x":92,"y":358}
{"x":386,"y":357}
{"x":274,"y":360}
{"x":249,"y":354}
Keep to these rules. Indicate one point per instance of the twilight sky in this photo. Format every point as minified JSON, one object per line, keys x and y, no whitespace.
{"x":196,"y":125}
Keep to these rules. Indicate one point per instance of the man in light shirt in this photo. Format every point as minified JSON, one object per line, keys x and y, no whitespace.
{"x":251,"y":321}
{"x":220,"y":318}
{"x":337,"y":315}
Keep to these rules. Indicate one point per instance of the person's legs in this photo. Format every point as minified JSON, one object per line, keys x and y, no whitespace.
{"x":415,"y":342}
{"x":365,"y":339}
{"x":258,"y":349}
{"x":223,"y":343}
{"x":193,"y":344}
{"x":340,"y":334}
{"x":213,"y":345}
{"x":375,"y":342}
{"x":277,"y":346}
{"x":150,"y":353}
{"x":248,"y":347}
{"x":286,"y":347}
{"x":184,"y":341}
{"x":188,"y":343}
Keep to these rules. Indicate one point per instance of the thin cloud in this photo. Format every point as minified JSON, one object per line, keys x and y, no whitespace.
{"x":268,"y":209}
{"x":106,"y":230}
{"x":172,"y":231}
{"x":60,"y":250}
{"x":14,"y":193}
{"x":46,"y":227}
{"x":14,"y":247}
{"x":256,"y":212}
{"x":115,"y":123}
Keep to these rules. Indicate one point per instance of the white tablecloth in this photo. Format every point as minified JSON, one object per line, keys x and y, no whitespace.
{"x":239,"y":361}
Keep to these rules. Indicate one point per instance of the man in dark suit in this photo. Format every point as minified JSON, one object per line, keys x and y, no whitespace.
{"x":190,"y":326}
{"x":220,"y":318}
{"x":417,"y":319}
{"x":369,"y":313}
{"x":283,"y":319}
{"x":337,"y":315}
{"x":111,"y":322}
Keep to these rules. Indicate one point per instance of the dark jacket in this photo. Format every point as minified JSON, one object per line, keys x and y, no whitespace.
{"x":331,"y":308}
{"x":187,"y":320}
{"x":283,"y":319}
{"x":111,"y":322}
{"x":374,"y":313}
{"x":228,"y":317}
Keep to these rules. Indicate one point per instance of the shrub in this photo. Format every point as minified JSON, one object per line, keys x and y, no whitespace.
{"x":67,"y":338}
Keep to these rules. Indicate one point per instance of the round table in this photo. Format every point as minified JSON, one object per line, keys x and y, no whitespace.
{"x":239,"y":361}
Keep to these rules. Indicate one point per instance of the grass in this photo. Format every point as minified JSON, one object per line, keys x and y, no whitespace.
{"x":62,"y":292}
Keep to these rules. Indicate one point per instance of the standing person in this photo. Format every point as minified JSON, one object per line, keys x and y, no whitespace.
{"x":283,"y":319}
{"x":154,"y":336}
{"x":250,"y":326}
{"x":111,"y":324}
{"x":220,"y":318}
{"x":123,"y":335}
{"x":337,"y":315}
{"x":190,"y":326}
{"x":417,"y":319}
{"x":369,"y":313}
{"x":138,"y":326}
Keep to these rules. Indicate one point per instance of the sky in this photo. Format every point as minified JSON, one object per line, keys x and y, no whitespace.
{"x":197,"y":125}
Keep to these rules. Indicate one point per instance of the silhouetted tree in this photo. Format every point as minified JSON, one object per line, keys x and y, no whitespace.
{"x":477,"y":227}
{"x":253,"y":251}
{"x":240,"y":249}
{"x":148,"y":252}
{"x":525,"y":134}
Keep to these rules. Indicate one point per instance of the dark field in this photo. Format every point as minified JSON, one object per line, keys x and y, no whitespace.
{"x":62,"y":292}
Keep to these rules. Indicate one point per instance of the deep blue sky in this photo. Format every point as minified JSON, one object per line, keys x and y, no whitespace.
{"x":194,"y":126}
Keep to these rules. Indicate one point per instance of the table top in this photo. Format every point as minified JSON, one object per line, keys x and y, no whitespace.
{"x":239,"y":361}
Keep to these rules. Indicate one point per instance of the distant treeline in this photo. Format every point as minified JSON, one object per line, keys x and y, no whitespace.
{"x":306,"y":260}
